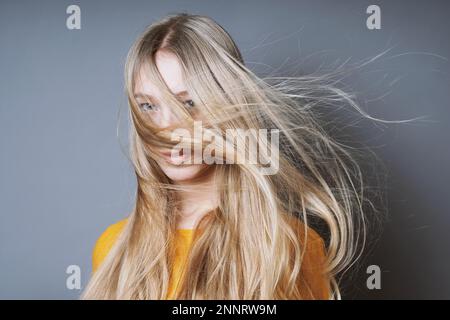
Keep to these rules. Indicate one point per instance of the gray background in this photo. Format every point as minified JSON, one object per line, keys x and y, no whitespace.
{"x":64,"y":177}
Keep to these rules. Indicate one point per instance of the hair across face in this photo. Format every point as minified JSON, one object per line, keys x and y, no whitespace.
{"x":150,"y":101}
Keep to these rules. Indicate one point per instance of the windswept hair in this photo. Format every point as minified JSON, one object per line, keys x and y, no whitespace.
{"x":247,"y":247}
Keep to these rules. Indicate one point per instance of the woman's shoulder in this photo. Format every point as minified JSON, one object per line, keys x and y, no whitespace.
{"x":314,"y":281}
{"x":305,"y":232}
{"x":105,"y":242}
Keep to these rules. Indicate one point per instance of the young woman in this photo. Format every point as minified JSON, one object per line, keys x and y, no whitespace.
{"x":227,"y":229}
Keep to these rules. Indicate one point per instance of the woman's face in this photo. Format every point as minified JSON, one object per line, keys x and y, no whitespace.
{"x":162,"y":115}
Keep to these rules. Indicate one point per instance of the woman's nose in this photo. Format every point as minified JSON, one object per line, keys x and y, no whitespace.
{"x":166,"y":117}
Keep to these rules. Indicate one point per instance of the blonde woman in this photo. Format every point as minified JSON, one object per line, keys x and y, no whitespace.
{"x":224,"y":229}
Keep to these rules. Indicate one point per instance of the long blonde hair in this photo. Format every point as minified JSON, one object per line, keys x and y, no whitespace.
{"x":247,"y":248}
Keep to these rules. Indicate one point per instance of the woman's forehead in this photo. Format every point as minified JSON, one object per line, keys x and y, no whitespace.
{"x":171,"y":72}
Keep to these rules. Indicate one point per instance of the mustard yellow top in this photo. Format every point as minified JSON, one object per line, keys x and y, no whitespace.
{"x":315,"y":283}
{"x":183,"y":240}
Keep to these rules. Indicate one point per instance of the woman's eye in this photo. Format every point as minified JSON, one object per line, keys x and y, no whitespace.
{"x":189,"y":103}
{"x":147,"y":106}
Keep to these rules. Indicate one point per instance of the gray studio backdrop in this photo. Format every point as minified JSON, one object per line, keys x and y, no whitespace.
{"x":64,"y":176}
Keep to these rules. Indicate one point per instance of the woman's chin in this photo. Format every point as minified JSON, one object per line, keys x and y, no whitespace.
{"x":181,"y":172}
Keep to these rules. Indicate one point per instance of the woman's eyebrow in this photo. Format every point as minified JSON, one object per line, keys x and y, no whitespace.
{"x":141,"y":95}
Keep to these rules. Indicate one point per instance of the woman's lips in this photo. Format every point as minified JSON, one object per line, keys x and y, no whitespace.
{"x":177,"y":157}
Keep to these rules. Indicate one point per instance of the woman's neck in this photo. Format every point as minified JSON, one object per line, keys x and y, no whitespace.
{"x":195,"y":201}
